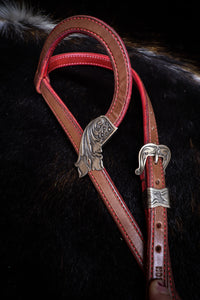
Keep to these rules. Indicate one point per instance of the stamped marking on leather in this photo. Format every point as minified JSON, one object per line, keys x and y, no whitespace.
{"x":159,"y":272}
{"x":157,"y":197}
{"x":96,"y":133}
{"x":153,"y":150}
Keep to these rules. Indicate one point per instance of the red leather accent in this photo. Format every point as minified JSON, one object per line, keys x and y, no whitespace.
{"x":79,"y":58}
{"x":116,"y":51}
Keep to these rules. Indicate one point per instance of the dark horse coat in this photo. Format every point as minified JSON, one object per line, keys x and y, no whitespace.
{"x":57,"y":238}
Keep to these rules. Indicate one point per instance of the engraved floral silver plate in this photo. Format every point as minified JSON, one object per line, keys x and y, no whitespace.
{"x":96,"y":133}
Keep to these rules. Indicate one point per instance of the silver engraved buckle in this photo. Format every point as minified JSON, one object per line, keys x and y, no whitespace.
{"x":153,"y":150}
{"x":157,"y":197}
{"x":96,"y":133}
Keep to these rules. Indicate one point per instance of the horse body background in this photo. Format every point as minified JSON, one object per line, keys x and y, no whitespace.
{"x":57,"y":238}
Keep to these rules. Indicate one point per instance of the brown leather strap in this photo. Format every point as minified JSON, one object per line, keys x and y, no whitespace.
{"x":158,"y":257}
{"x":158,"y":261}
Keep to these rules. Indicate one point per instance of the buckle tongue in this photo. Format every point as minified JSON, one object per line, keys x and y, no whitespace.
{"x":153,"y":150}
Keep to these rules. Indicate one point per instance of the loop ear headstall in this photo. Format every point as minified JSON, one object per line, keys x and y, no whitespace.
{"x":88,"y":143}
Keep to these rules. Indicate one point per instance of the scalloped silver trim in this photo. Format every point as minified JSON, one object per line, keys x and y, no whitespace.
{"x":157,"y":197}
{"x":96,"y":133}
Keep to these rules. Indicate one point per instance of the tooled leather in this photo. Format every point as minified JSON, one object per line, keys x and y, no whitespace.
{"x":115,"y":48}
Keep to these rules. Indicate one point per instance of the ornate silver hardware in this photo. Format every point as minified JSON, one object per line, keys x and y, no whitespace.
{"x":96,"y":133}
{"x":157,"y":197}
{"x":153,"y":150}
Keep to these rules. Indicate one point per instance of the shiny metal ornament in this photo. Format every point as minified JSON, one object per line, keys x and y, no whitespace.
{"x":96,"y":133}
{"x":157,"y":197}
{"x":153,"y":150}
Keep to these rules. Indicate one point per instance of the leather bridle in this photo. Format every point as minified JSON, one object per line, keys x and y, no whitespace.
{"x":153,"y":158}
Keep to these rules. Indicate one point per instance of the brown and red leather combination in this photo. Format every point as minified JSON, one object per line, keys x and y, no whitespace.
{"x":153,"y":255}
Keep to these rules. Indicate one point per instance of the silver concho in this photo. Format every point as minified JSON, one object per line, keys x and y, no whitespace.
{"x":153,"y":150}
{"x":157,"y":197}
{"x":96,"y":133}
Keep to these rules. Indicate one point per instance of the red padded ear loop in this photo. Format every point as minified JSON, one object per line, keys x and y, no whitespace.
{"x":99,"y":60}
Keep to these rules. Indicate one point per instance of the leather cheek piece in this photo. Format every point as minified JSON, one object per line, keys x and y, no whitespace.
{"x":116,"y":51}
{"x":102,"y":182}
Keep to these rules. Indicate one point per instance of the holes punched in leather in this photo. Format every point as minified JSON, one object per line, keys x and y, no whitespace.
{"x":159,"y":225}
{"x":158,"y":248}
